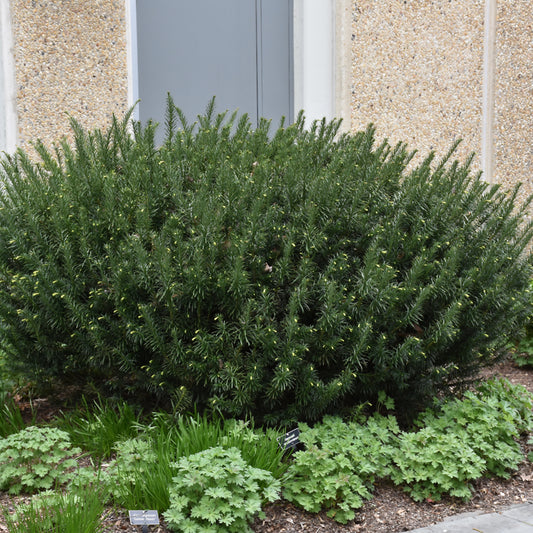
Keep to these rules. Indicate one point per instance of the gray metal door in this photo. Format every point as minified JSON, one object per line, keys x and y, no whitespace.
{"x":237,"y":50}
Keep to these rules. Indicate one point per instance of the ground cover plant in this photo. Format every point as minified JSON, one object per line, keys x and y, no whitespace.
{"x":217,"y":491}
{"x":481,"y":430}
{"x":35,"y":458}
{"x":456,"y":443}
{"x":201,"y":474}
{"x":340,"y":464}
{"x":142,"y":474}
{"x":284,"y":274}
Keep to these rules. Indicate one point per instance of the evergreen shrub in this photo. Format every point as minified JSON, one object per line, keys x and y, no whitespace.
{"x":523,"y":342}
{"x":285,"y":274}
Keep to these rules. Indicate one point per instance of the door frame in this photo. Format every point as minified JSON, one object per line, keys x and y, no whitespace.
{"x":321,"y":84}
{"x":8,"y":106}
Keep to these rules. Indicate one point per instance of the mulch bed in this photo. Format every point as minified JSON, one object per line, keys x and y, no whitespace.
{"x":390,"y":510}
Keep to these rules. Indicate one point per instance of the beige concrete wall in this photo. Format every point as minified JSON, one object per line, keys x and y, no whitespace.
{"x":70,"y":57}
{"x":418,"y":72}
{"x":513,"y":116}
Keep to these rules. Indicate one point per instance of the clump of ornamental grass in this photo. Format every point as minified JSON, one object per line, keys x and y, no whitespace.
{"x":79,"y":511}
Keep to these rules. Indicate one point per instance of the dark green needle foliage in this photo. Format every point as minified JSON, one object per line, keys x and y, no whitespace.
{"x":284,"y":274}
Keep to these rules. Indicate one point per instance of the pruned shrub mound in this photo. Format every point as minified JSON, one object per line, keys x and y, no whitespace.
{"x":285,"y":274}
